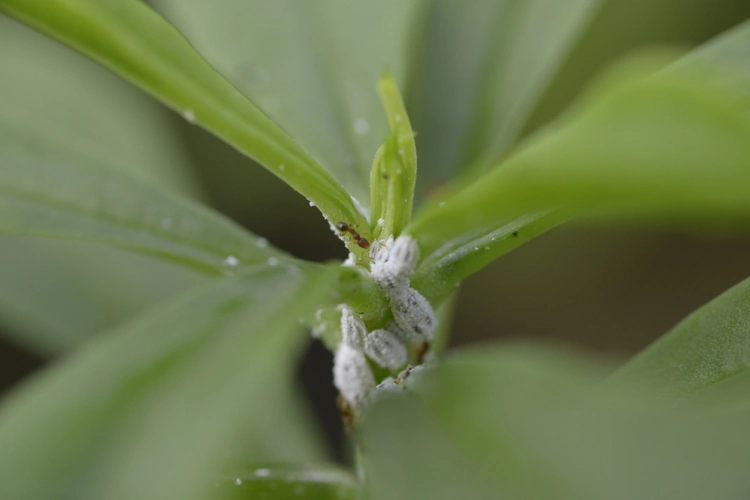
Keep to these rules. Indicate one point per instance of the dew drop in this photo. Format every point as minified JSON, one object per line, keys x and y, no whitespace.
{"x":189,"y":115}
{"x":262,"y":243}
{"x":312,"y":204}
{"x":262,"y":472}
{"x":361,"y":126}
{"x":282,"y":167}
{"x":231,"y":261}
{"x":441,"y":204}
{"x":238,"y":481}
{"x":273,"y":261}
{"x":398,"y":118}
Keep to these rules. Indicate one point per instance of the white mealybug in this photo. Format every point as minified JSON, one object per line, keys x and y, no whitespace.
{"x":352,"y":375}
{"x":406,"y":336}
{"x":394,"y":263}
{"x":414,"y":314}
{"x":353,"y":329}
{"x":404,"y":255}
{"x":386,"y":349}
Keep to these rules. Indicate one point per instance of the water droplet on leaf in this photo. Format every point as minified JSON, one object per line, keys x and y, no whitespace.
{"x":189,"y":115}
{"x":361,"y":126}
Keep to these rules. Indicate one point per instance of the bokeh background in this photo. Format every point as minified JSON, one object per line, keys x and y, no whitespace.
{"x":611,"y":290}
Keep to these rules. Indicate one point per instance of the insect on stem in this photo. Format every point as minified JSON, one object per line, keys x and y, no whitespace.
{"x":344,"y":228}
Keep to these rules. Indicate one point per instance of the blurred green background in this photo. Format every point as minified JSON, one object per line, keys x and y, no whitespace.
{"x":611,"y":290}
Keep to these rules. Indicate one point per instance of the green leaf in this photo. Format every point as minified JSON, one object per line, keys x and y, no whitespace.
{"x":394,"y":171}
{"x":728,"y":395}
{"x":56,"y":293}
{"x":484,"y":66}
{"x":461,"y":256}
{"x":311,"y":482}
{"x":515,"y":422}
{"x":135,"y":42}
{"x":73,"y":102}
{"x":671,"y":147}
{"x":708,"y":347}
{"x":311,"y":67}
{"x":48,"y":191}
{"x":445,"y":314}
{"x":730,"y":51}
{"x":148,"y":410}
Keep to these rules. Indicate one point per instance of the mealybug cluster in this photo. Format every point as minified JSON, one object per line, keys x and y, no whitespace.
{"x":392,"y":269}
{"x":414,"y":320}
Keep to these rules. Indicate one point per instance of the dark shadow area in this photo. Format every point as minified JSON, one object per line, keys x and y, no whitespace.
{"x":15,"y":365}
{"x":313,"y":375}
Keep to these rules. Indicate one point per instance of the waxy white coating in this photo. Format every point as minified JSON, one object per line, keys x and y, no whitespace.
{"x":394,"y":262}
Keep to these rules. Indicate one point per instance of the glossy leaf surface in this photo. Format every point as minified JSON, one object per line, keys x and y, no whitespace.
{"x":135,"y":42}
{"x":48,"y":191}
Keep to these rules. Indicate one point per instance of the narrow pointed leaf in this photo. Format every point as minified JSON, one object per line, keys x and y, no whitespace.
{"x":148,"y":410}
{"x":394,"y":171}
{"x":728,"y":51}
{"x":460,"y":257}
{"x":137,"y":43}
{"x":484,"y":65}
{"x":674,"y":147}
{"x":708,"y":347}
{"x":48,"y":191}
